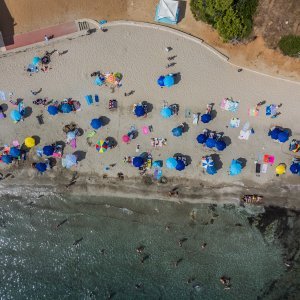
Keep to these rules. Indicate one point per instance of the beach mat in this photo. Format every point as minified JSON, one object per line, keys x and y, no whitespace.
{"x":89,"y":99}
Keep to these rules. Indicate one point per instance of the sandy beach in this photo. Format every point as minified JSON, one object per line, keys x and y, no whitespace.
{"x":139,"y":54}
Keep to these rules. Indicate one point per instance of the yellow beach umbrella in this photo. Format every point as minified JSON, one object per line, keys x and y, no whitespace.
{"x":280,"y":169}
{"x":29,"y":142}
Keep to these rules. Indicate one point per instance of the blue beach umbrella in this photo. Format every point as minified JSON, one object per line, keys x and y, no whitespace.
{"x":171,"y":163}
{"x":160,"y":80}
{"x":48,"y":150}
{"x":294,"y":168}
{"x":205,"y":118}
{"x":235,"y":168}
{"x":283,"y":136}
{"x":52,"y":110}
{"x":166,"y":112}
{"x":157,"y":164}
{"x":15,"y":115}
{"x":220,"y":145}
{"x":41,"y":167}
{"x":201,"y":138}
{"x":36,"y":60}
{"x":180,"y":165}
{"x":99,"y":81}
{"x":69,"y":161}
{"x":169,"y":80}
{"x":211,"y":170}
{"x":96,"y":123}
{"x":207,"y":162}
{"x":139,"y":111}
{"x":7,"y":159}
{"x":177,"y":131}
{"x":210,"y":143}
{"x":137,"y":161}
{"x":274,"y":133}
{"x":66,"y":108}
{"x":15,"y":152}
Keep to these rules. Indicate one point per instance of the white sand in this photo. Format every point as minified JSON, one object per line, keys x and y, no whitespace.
{"x":140,"y":56}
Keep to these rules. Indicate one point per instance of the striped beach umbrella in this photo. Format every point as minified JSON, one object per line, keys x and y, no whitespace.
{"x":101,"y":146}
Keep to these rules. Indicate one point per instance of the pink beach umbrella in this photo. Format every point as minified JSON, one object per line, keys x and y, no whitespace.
{"x":126,"y":138}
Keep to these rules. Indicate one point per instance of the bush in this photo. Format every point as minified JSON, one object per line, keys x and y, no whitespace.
{"x":232,"y":18}
{"x":290,"y":45}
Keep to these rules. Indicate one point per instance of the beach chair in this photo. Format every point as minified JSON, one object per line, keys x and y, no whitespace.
{"x":89,"y":99}
{"x":97,"y":100}
{"x":196,"y":118}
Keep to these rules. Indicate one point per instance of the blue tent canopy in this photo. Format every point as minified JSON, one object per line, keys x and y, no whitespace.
{"x":205,"y":118}
{"x":166,"y":112}
{"x":15,"y":152}
{"x":177,"y":131}
{"x":66,"y":108}
{"x":283,"y":136}
{"x":7,"y":159}
{"x":201,"y":138}
{"x":48,"y":150}
{"x":171,"y":163}
{"x":139,"y":111}
{"x":160,"y":81}
{"x":138,"y":161}
{"x":180,"y":165}
{"x":15,"y":115}
{"x":169,"y":80}
{"x":210,"y":143}
{"x":167,"y":11}
{"x":274,"y":133}
{"x":69,"y":161}
{"x":220,"y":145}
{"x":96,"y":123}
{"x":52,"y":110}
{"x":235,"y":168}
{"x":295,"y":168}
{"x":41,"y":167}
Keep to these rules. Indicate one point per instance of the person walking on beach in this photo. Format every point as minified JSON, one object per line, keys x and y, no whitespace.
{"x":46,"y":38}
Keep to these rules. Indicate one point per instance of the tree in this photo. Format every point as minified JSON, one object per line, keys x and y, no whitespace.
{"x":231,"y":26}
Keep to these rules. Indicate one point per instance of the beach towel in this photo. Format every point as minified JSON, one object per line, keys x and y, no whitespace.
{"x":73,"y":143}
{"x":16,"y":143}
{"x":271,"y":110}
{"x":229,"y":105}
{"x":21,"y":108}
{"x":187,"y":113}
{"x":97,"y":99}
{"x":2,"y":96}
{"x":264,"y":168}
{"x":91,"y":134}
{"x":157,"y":174}
{"x":234,"y":123}
{"x":253,"y":112}
{"x":195,"y":119}
{"x":39,"y":152}
{"x":269,"y":159}
{"x":145,"y":129}
{"x":89,"y":99}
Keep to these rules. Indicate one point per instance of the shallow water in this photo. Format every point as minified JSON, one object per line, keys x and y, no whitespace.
{"x":38,"y":259}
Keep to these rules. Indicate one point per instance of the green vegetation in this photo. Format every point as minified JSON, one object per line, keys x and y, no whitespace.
{"x":232,"y":18}
{"x":290,"y":45}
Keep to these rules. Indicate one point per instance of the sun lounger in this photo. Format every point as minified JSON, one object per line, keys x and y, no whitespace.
{"x":89,"y":99}
{"x":229,"y":105}
{"x":195,"y":119}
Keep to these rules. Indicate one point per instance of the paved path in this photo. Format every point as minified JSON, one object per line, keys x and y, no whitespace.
{"x":37,"y":36}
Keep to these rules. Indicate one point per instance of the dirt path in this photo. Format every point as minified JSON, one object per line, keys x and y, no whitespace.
{"x":19,"y":16}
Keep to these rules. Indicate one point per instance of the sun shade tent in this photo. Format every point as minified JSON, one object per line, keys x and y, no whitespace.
{"x":167,"y":12}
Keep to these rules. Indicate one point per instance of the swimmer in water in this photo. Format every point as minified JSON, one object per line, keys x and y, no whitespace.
{"x":140,"y":249}
{"x":77,"y":241}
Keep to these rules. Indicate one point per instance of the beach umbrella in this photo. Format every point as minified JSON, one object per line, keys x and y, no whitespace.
{"x":14,"y":152}
{"x":41,"y":167}
{"x":166,"y":112}
{"x":207,"y":162}
{"x":125,"y":138}
{"x":205,"y":118}
{"x":29,"y":142}
{"x":15,"y":115}
{"x":66,"y":108}
{"x":169,"y":81}
{"x":157,"y":164}
{"x":180,"y":165}
{"x":36,"y":60}
{"x":274,"y":133}
{"x":283,"y":136}
{"x":69,"y":161}
{"x":220,"y":145}
{"x":139,"y":111}
{"x":177,"y":131}
{"x":99,"y":81}
{"x":52,"y":110}
{"x":211,"y":170}
{"x":235,"y":168}
{"x":210,"y":143}
{"x":7,"y":159}
{"x":138,"y":161}
{"x":171,"y":163}
{"x":71,"y":135}
{"x":48,"y":150}
{"x":96,"y":123}
{"x":201,"y":138}
{"x":101,"y":146}
{"x":280,"y":169}
{"x":160,"y":80}
{"x":294,"y":168}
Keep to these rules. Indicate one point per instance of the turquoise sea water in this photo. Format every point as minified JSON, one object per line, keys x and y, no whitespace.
{"x":39,"y":261}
